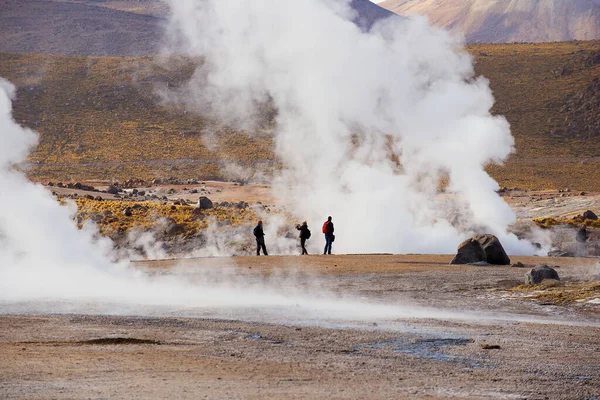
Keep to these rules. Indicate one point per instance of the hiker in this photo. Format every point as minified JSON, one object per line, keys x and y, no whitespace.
{"x":582,"y":237}
{"x":260,"y":239}
{"x":304,"y":235}
{"x":329,"y":236}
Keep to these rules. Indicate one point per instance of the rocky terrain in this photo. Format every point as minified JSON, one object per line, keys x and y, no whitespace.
{"x":488,"y":21}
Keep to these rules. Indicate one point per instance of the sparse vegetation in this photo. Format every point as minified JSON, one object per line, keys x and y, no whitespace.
{"x":101,"y":117}
{"x":111,"y":218}
{"x":555,"y":292}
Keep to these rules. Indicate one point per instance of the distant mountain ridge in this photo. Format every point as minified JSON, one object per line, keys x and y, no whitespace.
{"x":103,"y":28}
{"x":493,"y":21}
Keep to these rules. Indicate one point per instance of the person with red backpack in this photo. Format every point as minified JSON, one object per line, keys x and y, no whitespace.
{"x":329,"y":236}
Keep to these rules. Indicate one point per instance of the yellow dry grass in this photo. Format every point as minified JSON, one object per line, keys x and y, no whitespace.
{"x":110,"y":217}
{"x":560,"y":293}
{"x":101,"y":117}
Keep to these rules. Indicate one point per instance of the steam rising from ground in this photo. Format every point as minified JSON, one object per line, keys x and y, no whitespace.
{"x":48,"y":265}
{"x":368,"y":124}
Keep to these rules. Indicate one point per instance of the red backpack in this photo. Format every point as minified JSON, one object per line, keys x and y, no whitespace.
{"x":326,"y":227}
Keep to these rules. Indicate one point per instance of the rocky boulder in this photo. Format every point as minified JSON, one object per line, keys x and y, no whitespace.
{"x":112,"y":190}
{"x":540,"y":273}
{"x":469,"y":251}
{"x":560,"y":253}
{"x":174,"y":229}
{"x":590,"y":215}
{"x":494,"y":251}
{"x":204,"y":203}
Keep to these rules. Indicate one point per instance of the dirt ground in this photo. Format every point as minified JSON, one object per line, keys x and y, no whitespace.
{"x":481,"y":340}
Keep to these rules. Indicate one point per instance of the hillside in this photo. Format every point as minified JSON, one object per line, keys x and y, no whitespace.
{"x":76,"y":28}
{"x":103,"y":28}
{"x":100,"y":117}
{"x":490,"y":21}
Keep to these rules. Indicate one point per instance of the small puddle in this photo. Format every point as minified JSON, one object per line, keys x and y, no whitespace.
{"x":430,"y":349}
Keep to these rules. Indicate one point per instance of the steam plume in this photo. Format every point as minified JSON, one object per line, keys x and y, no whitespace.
{"x":368,"y":122}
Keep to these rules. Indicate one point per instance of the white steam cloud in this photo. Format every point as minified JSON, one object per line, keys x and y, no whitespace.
{"x":368,"y":122}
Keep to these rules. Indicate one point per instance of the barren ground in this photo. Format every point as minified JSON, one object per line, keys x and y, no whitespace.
{"x":219,"y":353}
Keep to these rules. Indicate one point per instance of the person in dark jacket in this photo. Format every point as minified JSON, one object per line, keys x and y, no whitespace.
{"x":304,"y":235}
{"x":259,"y":234}
{"x":329,"y":236}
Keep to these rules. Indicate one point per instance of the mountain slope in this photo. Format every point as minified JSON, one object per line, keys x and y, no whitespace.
{"x":492,"y":21}
{"x":55,"y":27}
{"x":103,"y":28}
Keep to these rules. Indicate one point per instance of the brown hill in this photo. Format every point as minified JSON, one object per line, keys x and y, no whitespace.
{"x":77,"y":28}
{"x":99,"y":117}
{"x":491,"y":21}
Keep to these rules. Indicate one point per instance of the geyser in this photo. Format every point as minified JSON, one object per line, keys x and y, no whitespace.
{"x":370,"y":124}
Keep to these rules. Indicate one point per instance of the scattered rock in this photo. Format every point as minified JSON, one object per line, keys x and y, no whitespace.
{"x":540,"y":273}
{"x":590,"y":215}
{"x":197,"y":214}
{"x":518,"y":264}
{"x":127,"y":212}
{"x":469,"y":251}
{"x":204,"y":203}
{"x":490,"y":347}
{"x":174,"y":229}
{"x":494,"y":251}
{"x":560,"y":253}
{"x":112,"y":190}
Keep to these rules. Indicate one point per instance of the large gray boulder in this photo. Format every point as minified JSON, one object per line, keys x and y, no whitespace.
{"x":468,"y":252}
{"x":494,"y":251}
{"x":539,"y":273}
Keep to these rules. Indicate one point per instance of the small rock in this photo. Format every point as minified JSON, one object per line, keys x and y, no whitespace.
{"x":540,"y":273}
{"x":204,"y":203}
{"x":518,"y":265}
{"x":174,"y":229}
{"x":112,"y":189}
{"x":560,"y":253}
{"x":127,"y":212}
{"x":590,"y":215}
{"x":490,"y":347}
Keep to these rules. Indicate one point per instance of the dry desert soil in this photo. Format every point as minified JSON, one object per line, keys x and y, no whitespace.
{"x":391,"y":326}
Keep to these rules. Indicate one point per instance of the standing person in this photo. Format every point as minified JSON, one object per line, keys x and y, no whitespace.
{"x":582,"y":237}
{"x":329,"y":236}
{"x":304,"y":235}
{"x":259,"y":234}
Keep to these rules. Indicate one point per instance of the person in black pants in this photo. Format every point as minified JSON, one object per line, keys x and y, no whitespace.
{"x":260,"y":239}
{"x":329,"y":236}
{"x":304,"y":235}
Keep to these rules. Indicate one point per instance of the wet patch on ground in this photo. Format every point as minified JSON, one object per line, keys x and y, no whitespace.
{"x":427,"y":348}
